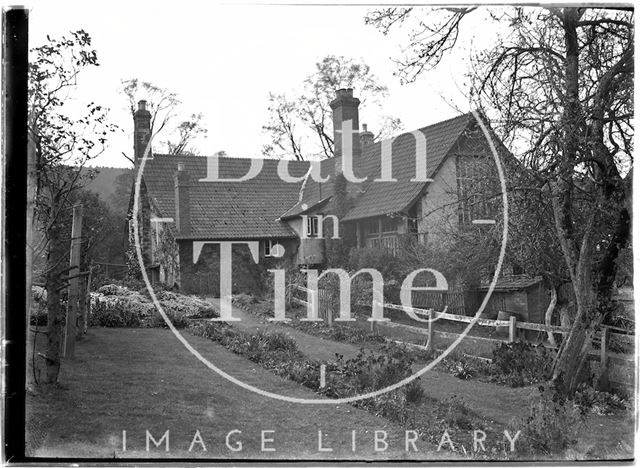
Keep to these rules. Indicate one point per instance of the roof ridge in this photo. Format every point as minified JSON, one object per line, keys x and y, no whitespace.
{"x":234,"y":158}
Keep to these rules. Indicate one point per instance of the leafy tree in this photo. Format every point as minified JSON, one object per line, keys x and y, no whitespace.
{"x":163,"y":105}
{"x":560,"y":81}
{"x":306,"y":117}
{"x":121,"y":196}
{"x":61,"y":143}
{"x":102,"y":229}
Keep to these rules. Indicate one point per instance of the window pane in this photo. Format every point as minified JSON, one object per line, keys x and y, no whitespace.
{"x":388,"y":224}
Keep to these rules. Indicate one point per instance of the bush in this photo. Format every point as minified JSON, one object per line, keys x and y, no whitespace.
{"x":392,"y":268}
{"x":589,"y":400}
{"x":519,"y":364}
{"x":244,"y":299}
{"x":455,"y":413}
{"x":38,"y":312}
{"x":465,"y":367}
{"x":342,"y":333}
{"x":261,"y":347}
{"x":552,"y":425}
{"x":117,"y":306}
{"x":113,"y":314}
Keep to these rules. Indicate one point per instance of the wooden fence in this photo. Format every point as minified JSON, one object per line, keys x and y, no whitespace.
{"x":112,"y":270}
{"x":455,"y":301}
{"x":324,"y":301}
{"x":604,"y":356}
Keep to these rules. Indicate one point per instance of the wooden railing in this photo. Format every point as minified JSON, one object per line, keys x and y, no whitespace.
{"x":324,"y":310}
{"x":603,"y":355}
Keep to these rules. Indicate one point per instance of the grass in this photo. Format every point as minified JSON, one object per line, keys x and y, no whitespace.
{"x":142,"y":379}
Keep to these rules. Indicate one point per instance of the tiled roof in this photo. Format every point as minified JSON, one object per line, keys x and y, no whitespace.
{"x":380,"y":198}
{"x":512,"y":283}
{"x":226,"y":210}
{"x":254,"y":208}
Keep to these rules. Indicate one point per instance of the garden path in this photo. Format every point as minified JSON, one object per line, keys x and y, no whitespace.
{"x":496,"y":403}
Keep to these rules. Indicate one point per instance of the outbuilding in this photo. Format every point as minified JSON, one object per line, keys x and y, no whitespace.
{"x":523,"y":296}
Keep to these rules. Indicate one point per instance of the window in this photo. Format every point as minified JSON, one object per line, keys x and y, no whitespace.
{"x":476,"y":183}
{"x":312,"y":226}
{"x":389,"y":225}
{"x":371,"y":227}
{"x":381,"y":233}
{"x":268,"y":247}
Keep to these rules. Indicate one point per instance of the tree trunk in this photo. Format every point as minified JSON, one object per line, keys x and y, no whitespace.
{"x":55,"y":316}
{"x":548,"y":315}
{"x":32,"y":180}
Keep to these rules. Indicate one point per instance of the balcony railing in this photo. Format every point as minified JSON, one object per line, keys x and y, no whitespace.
{"x":391,"y":243}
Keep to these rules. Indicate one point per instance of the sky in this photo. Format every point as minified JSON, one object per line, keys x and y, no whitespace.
{"x":223,"y":60}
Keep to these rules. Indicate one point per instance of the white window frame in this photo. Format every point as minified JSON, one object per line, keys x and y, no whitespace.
{"x":312,"y":226}
{"x":268,"y":246}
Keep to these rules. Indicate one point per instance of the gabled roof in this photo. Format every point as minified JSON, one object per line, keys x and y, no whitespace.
{"x":226,"y":210}
{"x":380,"y":198}
{"x":257,"y":208}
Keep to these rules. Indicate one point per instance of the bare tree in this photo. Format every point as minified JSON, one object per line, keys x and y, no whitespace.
{"x":561,"y":82}
{"x":164,"y":105}
{"x":306,"y":116}
{"x":62,"y":144}
{"x":187,"y":131}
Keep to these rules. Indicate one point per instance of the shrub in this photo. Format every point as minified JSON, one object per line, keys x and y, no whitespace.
{"x":552,"y":425}
{"x":244,"y":299}
{"x":260,"y":347}
{"x":465,"y":367}
{"x":177,"y":319}
{"x":455,"y":413}
{"x":392,"y":268}
{"x":38,"y":312}
{"x":113,"y":290}
{"x":589,"y":400}
{"x":519,"y":364}
{"x":113,"y":314}
{"x":339,"y":332}
{"x":117,"y":306}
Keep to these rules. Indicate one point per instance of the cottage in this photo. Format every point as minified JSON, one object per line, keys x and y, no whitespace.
{"x":384,"y":204}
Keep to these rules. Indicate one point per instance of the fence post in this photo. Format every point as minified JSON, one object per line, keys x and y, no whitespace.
{"x":512,"y":329}
{"x":82,"y":307}
{"x":604,"y":339}
{"x":87,"y":307}
{"x":430,"y":332}
{"x":74,"y":283}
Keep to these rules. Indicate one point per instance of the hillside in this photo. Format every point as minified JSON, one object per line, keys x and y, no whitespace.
{"x":104,"y":182}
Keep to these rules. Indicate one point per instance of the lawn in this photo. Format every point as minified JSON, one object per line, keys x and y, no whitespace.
{"x":136,"y":380}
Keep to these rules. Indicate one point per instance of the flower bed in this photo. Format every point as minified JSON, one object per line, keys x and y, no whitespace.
{"x":118,"y":306}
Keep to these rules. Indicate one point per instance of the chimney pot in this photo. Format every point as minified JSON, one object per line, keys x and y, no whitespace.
{"x":142,"y":105}
{"x":366,"y":137}
{"x":344,"y":92}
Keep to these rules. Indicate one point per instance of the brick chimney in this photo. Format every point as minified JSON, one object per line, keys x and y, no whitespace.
{"x":141,"y":130}
{"x":182,"y":182}
{"x":366,"y":137}
{"x":345,"y":107}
